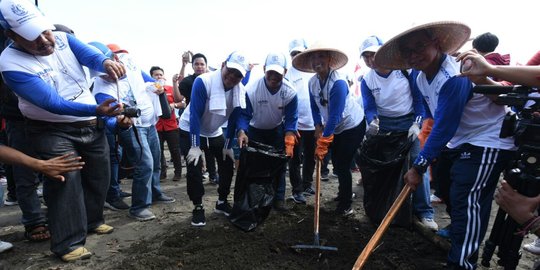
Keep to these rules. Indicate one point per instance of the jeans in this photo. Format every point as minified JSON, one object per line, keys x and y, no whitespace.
{"x":343,"y":148}
{"x":195,"y":188}
{"x":26,"y":180}
{"x":142,"y":149}
{"x":113,"y":194}
{"x":173,"y":141}
{"x":304,"y":153}
{"x":75,"y":206}
{"x":275,"y":138}
{"x":421,"y":203}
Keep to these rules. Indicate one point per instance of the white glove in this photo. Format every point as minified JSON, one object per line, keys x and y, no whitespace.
{"x":414,"y":130}
{"x":373,"y":127}
{"x":193,"y":155}
{"x":228,"y":153}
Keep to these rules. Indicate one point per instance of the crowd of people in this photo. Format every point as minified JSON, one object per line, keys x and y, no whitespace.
{"x":93,"y":102}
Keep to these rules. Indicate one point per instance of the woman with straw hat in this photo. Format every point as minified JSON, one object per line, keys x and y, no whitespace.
{"x":338,"y":119}
{"x":466,"y":131}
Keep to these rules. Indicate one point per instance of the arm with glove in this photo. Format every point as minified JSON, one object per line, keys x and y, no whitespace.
{"x":370,"y":109}
{"x":196,"y":110}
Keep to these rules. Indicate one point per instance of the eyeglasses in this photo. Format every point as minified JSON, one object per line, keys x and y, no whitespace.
{"x":418,"y":49}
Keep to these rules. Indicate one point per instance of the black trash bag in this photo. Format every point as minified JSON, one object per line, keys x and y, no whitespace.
{"x":260,"y":165}
{"x":383,"y":162}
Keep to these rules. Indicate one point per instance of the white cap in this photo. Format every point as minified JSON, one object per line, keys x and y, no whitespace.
{"x":371,"y":44}
{"x":237,"y":61}
{"x":23,"y":18}
{"x":298,"y":44}
{"x":276,"y":62}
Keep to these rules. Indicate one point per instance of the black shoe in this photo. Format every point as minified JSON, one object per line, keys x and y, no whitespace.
{"x":345,"y":212}
{"x":223,"y":208}
{"x":116,"y":205}
{"x":309,"y":191}
{"x":124,"y":194}
{"x":198,"y":219}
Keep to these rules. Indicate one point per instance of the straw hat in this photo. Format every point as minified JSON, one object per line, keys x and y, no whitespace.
{"x":302,"y":61}
{"x":450,"y":34}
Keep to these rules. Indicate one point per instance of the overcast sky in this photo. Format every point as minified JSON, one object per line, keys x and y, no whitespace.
{"x":157,"y":32}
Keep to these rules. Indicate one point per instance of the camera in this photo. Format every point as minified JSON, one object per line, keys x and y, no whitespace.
{"x":131,"y":111}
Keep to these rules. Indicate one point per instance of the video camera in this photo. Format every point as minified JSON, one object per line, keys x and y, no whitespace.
{"x":524,"y":124}
{"x":131,"y":111}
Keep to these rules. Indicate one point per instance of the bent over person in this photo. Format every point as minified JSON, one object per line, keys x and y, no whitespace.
{"x":44,"y":70}
{"x":465,"y":132}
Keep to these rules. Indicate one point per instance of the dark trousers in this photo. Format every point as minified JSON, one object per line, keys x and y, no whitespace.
{"x":195,"y":186}
{"x":172,"y":138}
{"x":343,"y":148}
{"x":304,"y":153}
{"x":115,"y":150}
{"x":75,"y":205}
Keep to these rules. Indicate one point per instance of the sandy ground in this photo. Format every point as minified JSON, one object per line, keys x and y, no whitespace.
{"x":169,"y":242}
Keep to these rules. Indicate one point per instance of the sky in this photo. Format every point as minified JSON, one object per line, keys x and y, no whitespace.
{"x":157,"y":32}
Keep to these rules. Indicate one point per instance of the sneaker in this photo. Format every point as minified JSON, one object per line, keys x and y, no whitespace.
{"x":279,"y":205}
{"x":337,"y":198}
{"x":10,"y":201}
{"x":163,"y":199}
{"x":5,"y":246}
{"x":39,"y":192}
{"x":223,"y":208}
{"x":434,"y":199}
{"x":198,"y":219}
{"x":298,"y":198}
{"x":444,"y":232}
{"x":333,"y":175}
{"x":124,"y":194}
{"x":214,"y":180}
{"x":142,"y":215}
{"x":429,"y":223}
{"x":103,"y":229}
{"x":309,"y":191}
{"x":3,"y":182}
{"x":177,"y":177}
{"x":205,"y":176}
{"x":78,"y":254}
{"x":345,"y":212}
{"x":533,"y":247}
{"x":324,"y":177}
{"x":116,"y":205}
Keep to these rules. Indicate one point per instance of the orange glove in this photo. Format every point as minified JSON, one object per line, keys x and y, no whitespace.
{"x":290,"y":141}
{"x":322,"y":146}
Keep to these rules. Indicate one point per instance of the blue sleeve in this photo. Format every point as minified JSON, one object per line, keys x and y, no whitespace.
{"x":453,"y":97}
{"x":370,"y":107}
{"x":418,"y":99}
{"x":245,"y":80}
{"x":336,"y":106}
{"x":146,"y":77}
{"x":110,"y":121}
{"x":196,"y":110}
{"x":245,"y":116}
{"x":291,"y":115}
{"x":315,"y":113}
{"x":86,"y":55}
{"x":38,"y":92}
{"x":231,"y":124}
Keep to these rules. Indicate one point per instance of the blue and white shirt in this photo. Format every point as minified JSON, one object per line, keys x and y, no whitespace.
{"x":460,"y":116}
{"x":53,"y":88}
{"x":300,"y":82}
{"x":340,"y":111}
{"x":266,"y":110}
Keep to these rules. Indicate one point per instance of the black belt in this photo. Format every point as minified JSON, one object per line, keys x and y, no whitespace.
{"x":78,"y":124}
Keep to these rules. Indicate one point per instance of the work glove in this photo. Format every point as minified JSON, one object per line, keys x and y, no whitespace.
{"x":414,"y":130}
{"x":322,"y":146}
{"x":193,"y":155}
{"x":373,"y":127}
{"x":290,"y":142}
{"x":228,"y":153}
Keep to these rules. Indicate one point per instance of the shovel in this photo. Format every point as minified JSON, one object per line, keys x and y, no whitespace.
{"x":316,"y":242}
{"x":368,"y":249}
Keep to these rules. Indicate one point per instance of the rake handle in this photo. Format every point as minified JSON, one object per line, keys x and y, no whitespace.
{"x":368,"y":249}
{"x":317,"y":200}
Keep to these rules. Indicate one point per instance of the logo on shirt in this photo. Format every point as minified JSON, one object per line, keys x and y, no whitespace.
{"x":60,"y":44}
{"x":465,"y":155}
{"x":262,"y":102}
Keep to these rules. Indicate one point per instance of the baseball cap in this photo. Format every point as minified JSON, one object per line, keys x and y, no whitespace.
{"x":237,"y":61}
{"x":298,"y":44}
{"x":115,"y":48}
{"x":371,"y":44}
{"x":276,"y":62}
{"x":23,"y":18}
